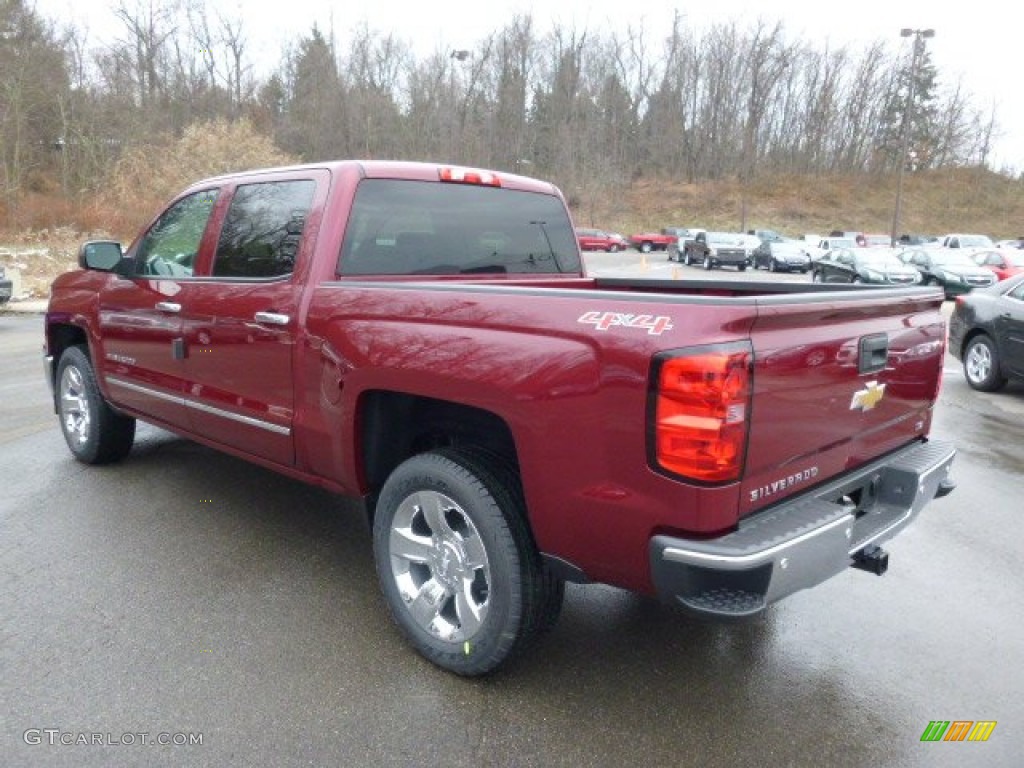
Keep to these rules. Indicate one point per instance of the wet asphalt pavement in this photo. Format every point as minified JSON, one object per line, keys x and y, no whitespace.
{"x":186,"y":593}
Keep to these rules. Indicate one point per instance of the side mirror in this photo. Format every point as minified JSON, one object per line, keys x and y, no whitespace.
{"x":101,"y":255}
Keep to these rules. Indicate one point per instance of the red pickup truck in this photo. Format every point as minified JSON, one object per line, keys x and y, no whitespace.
{"x":425,"y":337}
{"x":665,"y":240}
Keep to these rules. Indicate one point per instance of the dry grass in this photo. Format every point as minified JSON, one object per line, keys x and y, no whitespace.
{"x":934,"y":202}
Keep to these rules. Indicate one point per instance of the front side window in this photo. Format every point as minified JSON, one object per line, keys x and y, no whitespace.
{"x":170,"y":247}
{"x":417,"y":228}
{"x":263,"y":228}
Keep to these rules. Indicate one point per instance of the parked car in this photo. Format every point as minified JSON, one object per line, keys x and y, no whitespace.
{"x":6,"y":287}
{"x":837,"y":241}
{"x":767,"y":235}
{"x":719,"y":249}
{"x":1014,"y":242}
{"x":879,"y":266}
{"x":966,"y":241}
{"x":921,"y":240}
{"x":645,"y":242}
{"x":600,"y":240}
{"x":857,"y":237}
{"x":986,"y":333}
{"x":954,"y":270}
{"x":877,"y":241}
{"x":683,"y":236}
{"x":1004,"y":263}
{"x":783,"y":256}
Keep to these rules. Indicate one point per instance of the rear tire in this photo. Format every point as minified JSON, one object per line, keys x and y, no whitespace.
{"x":645,"y":247}
{"x":707,"y":262}
{"x":458,"y":567}
{"x":95,"y":432}
{"x":981,"y":365}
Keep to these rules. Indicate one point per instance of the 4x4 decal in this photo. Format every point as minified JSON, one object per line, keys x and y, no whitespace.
{"x":654,"y":326}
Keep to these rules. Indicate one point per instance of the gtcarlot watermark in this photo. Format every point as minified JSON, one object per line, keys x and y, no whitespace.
{"x":59,"y":737}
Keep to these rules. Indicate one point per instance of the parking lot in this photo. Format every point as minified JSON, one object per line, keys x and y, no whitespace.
{"x":184,"y":593}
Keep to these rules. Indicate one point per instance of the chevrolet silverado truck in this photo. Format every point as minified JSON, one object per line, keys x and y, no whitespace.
{"x":426,"y":338}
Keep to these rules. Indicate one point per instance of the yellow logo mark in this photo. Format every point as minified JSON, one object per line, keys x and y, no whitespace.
{"x":867,"y":398}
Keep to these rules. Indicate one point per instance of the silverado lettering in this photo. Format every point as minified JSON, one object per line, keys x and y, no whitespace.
{"x":780,"y":485}
{"x":422,"y":337}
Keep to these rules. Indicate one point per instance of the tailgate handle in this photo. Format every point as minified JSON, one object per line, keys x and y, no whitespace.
{"x":874,"y":353}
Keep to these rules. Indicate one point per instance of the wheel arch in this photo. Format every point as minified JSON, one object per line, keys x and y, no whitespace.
{"x":974,"y":333}
{"x":394,"y":426}
{"x":59,"y":338}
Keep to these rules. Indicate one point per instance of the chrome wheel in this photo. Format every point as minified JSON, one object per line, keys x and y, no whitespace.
{"x":95,"y":432}
{"x":459,"y":570}
{"x":981,"y":365}
{"x":440,"y":566}
{"x":74,"y":406}
{"x":978,"y":363}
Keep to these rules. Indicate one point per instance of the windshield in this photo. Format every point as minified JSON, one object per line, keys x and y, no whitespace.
{"x":842,"y":242}
{"x":400,"y":227}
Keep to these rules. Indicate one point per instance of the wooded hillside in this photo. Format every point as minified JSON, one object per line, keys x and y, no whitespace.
{"x":731,"y":107}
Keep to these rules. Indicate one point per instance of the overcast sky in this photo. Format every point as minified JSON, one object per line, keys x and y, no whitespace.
{"x":975,"y":42}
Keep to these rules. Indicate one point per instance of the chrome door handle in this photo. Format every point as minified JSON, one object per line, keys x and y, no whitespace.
{"x":168,"y":306}
{"x":272,"y":318}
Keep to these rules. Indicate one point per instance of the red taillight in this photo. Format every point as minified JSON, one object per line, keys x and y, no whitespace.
{"x":470,"y":176}
{"x":701,"y":412}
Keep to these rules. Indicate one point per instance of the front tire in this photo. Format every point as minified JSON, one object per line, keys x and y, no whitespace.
{"x":981,"y":365}
{"x":456,"y":562}
{"x":95,"y":432}
{"x":645,"y":247}
{"x":707,"y":262}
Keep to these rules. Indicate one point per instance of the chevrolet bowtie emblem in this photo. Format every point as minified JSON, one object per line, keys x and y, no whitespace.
{"x":867,"y":398}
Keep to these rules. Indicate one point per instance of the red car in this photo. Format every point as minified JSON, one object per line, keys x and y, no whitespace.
{"x":599,"y":240}
{"x":1004,"y":263}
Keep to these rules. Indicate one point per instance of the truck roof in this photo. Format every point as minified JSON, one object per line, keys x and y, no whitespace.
{"x":394,"y":169}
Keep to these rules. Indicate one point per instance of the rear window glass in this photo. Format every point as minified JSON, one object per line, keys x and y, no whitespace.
{"x":425,"y":228}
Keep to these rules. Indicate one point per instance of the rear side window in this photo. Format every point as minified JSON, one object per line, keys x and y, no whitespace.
{"x":422,"y":228}
{"x":263,"y":229}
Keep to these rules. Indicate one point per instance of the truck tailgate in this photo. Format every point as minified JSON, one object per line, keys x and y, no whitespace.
{"x":837,"y":385}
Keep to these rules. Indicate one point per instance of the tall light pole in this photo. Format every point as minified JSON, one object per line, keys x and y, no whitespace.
{"x":919,"y":35}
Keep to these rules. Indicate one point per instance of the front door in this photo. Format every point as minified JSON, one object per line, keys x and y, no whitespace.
{"x":140,"y":313}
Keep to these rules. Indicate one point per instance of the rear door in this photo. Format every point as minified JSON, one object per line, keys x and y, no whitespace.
{"x":242,"y":324}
